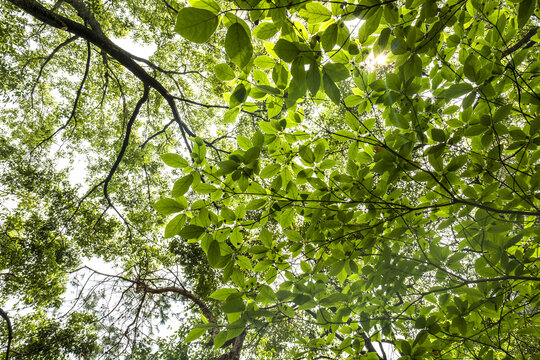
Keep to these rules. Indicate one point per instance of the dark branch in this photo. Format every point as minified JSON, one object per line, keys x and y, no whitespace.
{"x":176,"y":290}
{"x":49,"y":58}
{"x":156,"y":134}
{"x":104,"y":43}
{"x":77,"y":98}
{"x":10,"y":331}
{"x":520,"y":43}
{"x":125,"y":144}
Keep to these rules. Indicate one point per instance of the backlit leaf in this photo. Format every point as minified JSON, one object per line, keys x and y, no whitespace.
{"x":195,"y":24}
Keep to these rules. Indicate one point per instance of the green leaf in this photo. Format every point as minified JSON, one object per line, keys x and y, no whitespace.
{"x":306,"y":154}
{"x":315,"y":13}
{"x":265,"y":30}
{"x":313,"y":78}
{"x":228,"y":214}
{"x":530,"y":331}
{"x":191,"y":231}
{"x":238,"y":45}
{"x":461,"y":324}
{"x":203,"y":188}
{"x":233,"y":305}
{"x":371,"y":24}
{"x":457,"y":90}
{"x":174,"y":160}
{"x":238,"y":96}
{"x":438,"y":135}
{"x":286,"y":218}
{"x":243,"y":142}
{"x":475,"y":130}
{"x":382,"y":41}
{"x":398,"y":46}
{"x":224,"y":72}
{"x":236,"y":237}
{"x":329,"y":37}
{"x":525,"y":12}
{"x":230,"y":115}
{"x":337,"y":72}
{"x":196,"y":25}
{"x":223,"y":294}
{"x":286,"y":50}
{"x":194,"y":334}
{"x":502,"y":113}
{"x":255,"y":204}
{"x":174,"y":226}
{"x":301,"y":299}
{"x":457,"y":162}
{"x":268,"y":89}
{"x":181,"y":186}
{"x":269,"y":171}
{"x":168,"y":206}
{"x":266,"y":238}
{"x":264,"y":62}
{"x":214,"y":253}
{"x":353,"y":100}
{"x":244,"y":262}
{"x":331,"y":89}
{"x":472,"y":67}
{"x":220,"y":339}
{"x":209,"y":5}
{"x":378,"y":85}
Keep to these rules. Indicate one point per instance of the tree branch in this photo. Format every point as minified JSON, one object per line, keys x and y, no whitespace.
{"x":49,"y":58}
{"x":141,"y":286}
{"x":97,"y":38}
{"x":9,"y":329}
{"x":520,"y":43}
{"x":125,"y":144}
{"x":77,"y":98}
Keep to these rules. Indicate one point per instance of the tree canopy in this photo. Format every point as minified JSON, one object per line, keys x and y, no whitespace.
{"x":280,"y":179}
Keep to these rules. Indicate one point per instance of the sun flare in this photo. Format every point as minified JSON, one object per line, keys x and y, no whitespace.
{"x":380,"y":59}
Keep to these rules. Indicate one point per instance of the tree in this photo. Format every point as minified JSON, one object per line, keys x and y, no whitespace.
{"x":380,"y":184}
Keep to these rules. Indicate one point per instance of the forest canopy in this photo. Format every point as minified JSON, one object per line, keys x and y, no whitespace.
{"x":277,"y":179}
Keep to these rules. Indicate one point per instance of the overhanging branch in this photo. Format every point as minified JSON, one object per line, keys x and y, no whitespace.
{"x":96,"y":37}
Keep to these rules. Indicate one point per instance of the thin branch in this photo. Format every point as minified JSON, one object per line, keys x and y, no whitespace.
{"x":49,"y":58}
{"x":156,"y":134}
{"x":75,"y":103}
{"x":125,"y":144}
{"x":169,"y":6}
{"x":176,"y":290}
{"x":10,"y":331}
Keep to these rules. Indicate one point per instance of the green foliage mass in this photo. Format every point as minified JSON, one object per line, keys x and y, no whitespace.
{"x":361,"y":180}
{"x":394,"y":202}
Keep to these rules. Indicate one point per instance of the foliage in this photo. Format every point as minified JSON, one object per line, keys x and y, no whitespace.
{"x":43,"y":338}
{"x":346,"y":175}
{"x":411,"y":217}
